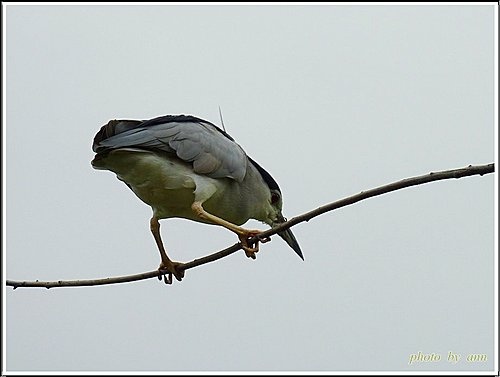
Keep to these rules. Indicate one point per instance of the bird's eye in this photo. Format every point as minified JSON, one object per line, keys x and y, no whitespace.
{"x":275,"y":197}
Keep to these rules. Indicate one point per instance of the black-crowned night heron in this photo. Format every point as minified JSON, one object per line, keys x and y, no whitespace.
{"x":183,"y":166}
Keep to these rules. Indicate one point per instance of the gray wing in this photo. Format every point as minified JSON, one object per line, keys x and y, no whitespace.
{"x":211,"y":151}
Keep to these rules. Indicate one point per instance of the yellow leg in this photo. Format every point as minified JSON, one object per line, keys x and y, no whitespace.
{"x":166,"y":263}
{"x":243,"y":234}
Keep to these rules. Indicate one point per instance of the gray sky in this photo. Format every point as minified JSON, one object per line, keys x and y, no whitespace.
{"x":331,"y":100}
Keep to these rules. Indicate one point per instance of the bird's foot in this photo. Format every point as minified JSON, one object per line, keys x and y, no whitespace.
{"x":250,"y":248}
{"x":169,"y":268}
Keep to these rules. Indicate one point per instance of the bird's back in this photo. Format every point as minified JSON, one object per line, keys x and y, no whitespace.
{"x":210,"y":150}
{"x":116,"y":127}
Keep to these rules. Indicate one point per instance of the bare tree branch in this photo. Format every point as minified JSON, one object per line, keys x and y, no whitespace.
{"x":408,"y":182}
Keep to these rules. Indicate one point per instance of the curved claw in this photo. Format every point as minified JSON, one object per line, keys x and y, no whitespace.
{"x":250,"y":251}
{"x":264,"y":239}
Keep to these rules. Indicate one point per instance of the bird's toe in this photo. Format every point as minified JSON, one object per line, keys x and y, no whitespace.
{"x":171,"y":268}
{"x":250,"y":248}
{"x":250,"y":251}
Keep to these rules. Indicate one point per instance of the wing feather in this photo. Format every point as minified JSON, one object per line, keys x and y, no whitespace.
{"x":211,"y":151}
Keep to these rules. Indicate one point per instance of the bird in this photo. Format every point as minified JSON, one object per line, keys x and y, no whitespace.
{"x":186,"y":167}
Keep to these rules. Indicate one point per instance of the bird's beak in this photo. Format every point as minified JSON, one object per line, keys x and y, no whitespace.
{"x":289,"y":238}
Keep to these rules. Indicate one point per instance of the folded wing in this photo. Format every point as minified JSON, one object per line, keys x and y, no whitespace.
{"x":189,"y":138}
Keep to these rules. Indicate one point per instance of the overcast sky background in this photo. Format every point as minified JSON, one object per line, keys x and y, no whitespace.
{"x":331,"y":100}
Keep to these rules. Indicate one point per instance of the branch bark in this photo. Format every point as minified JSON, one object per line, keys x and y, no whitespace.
{"x":408,"y":182}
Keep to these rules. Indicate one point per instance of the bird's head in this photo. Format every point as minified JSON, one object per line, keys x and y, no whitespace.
{"x":277,"y":218}
{"x":274,"y":214}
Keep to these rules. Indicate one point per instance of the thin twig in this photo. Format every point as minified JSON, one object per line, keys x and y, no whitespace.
{"x":408,"y":182}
